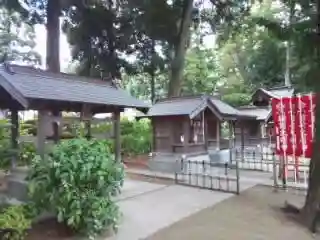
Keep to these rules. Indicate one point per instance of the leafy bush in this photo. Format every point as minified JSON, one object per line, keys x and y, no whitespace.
{"x":77,"y":182}
{"x":14,"y":222}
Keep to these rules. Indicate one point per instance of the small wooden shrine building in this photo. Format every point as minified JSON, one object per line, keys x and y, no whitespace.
{"x":28,"y":88}
{"x":258,"y":130}
{"x":191,"y":126}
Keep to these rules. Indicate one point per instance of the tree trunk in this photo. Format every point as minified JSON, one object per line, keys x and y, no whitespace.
{"x":53,"y":36}
{"x":312,"y":201}
{"x":311,"y":207}
{"x":153,"y":72}
{"x":177,"y":64}
{"x":53,"y":49}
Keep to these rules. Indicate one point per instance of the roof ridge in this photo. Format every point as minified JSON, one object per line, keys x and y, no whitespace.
{"x":252,"y":107}
{"x":279,"y":87}
{"x":168,"y":99}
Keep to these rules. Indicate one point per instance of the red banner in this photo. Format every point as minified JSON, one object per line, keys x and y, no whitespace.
{"x":294,"y":125}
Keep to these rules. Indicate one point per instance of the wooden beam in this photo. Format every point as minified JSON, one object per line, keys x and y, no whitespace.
{"x":117,"y":135}
{"x":14,"y":136}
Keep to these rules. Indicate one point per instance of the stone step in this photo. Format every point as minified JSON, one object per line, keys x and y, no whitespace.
{"x":17,"y":188}
{"x":5,"y":199}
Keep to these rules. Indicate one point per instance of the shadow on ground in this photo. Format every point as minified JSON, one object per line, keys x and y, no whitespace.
{"x":254,"y":215}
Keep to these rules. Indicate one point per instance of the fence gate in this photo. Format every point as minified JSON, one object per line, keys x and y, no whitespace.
{"x":205,"y":175}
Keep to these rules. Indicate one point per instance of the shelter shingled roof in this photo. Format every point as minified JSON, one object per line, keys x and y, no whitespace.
{"x":261,"y":113}
{"x":26,"y":84}
{"x":192,"y":106}
{"x":264,"y":113}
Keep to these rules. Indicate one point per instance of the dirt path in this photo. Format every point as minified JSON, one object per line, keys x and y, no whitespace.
{"x":254,"y":215}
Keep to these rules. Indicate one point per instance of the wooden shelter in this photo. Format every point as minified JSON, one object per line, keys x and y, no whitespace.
{"x":190,"y":126}
{"x":257,"y":131}
{"x":28,"y":88}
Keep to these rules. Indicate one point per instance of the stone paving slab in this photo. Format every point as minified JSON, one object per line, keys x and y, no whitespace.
{"x":133,"y":188}
{"x":147,"y":213}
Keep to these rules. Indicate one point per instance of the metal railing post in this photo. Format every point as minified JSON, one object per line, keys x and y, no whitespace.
{"x":275,"y":174}
{"x":238,"y":177}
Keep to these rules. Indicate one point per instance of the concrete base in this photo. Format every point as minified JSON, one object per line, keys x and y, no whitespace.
{"x":17,"y":185}
{"x":222,"y":156}
{"x":171,"y":163}
{"x":164,"y":163}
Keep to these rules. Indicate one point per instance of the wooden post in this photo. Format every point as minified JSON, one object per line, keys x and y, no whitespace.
{"x":56,"y":126}
{"x":230,"y":141}
{"x":14,"y":136}
{"x":88,"y":129}
{"x":242,"y":140}
{"x":234,"y":133}
{"x":205,"y":132}
{"x":154,"y":136}
{"x":218,"y":135}
{"x":117,"y":140}
{"x":41,"y":133}
{"x":173,"y":136}
{"x":186,"y":134}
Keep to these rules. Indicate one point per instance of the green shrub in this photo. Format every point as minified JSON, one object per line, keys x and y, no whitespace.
{"x":135,"y":137}
{"x":101,"y":128}
{"x":109,"y":144}
{"x":77,"y":182}
{"x":27,"y":153}
{"x":127,"y":126}
{"x":5,"y":145}
{"x":28,"y":127}
{"x":15,"y":220}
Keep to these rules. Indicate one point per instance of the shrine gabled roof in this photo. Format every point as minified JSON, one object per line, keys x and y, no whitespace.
{"x":25,"y":83}
{"x":193,"y":105}
{"x":277,"y":92}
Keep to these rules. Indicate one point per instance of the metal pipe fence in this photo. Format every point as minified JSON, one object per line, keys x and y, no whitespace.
{"x":287,"y":172}
{"x":204,"y":174}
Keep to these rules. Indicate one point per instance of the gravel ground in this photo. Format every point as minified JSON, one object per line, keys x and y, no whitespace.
{"x":254,"y":215}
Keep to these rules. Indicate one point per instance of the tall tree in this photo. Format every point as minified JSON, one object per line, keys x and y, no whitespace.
{"x":201,"y":72}
{"x":101,"y":34}
{"x":304,"y":34}
{"x":180,"y":47}
{"x":145,"y":24}
{"x":17,"y":39}
{"x":312,"y":203}
{"x":46,"y":12}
